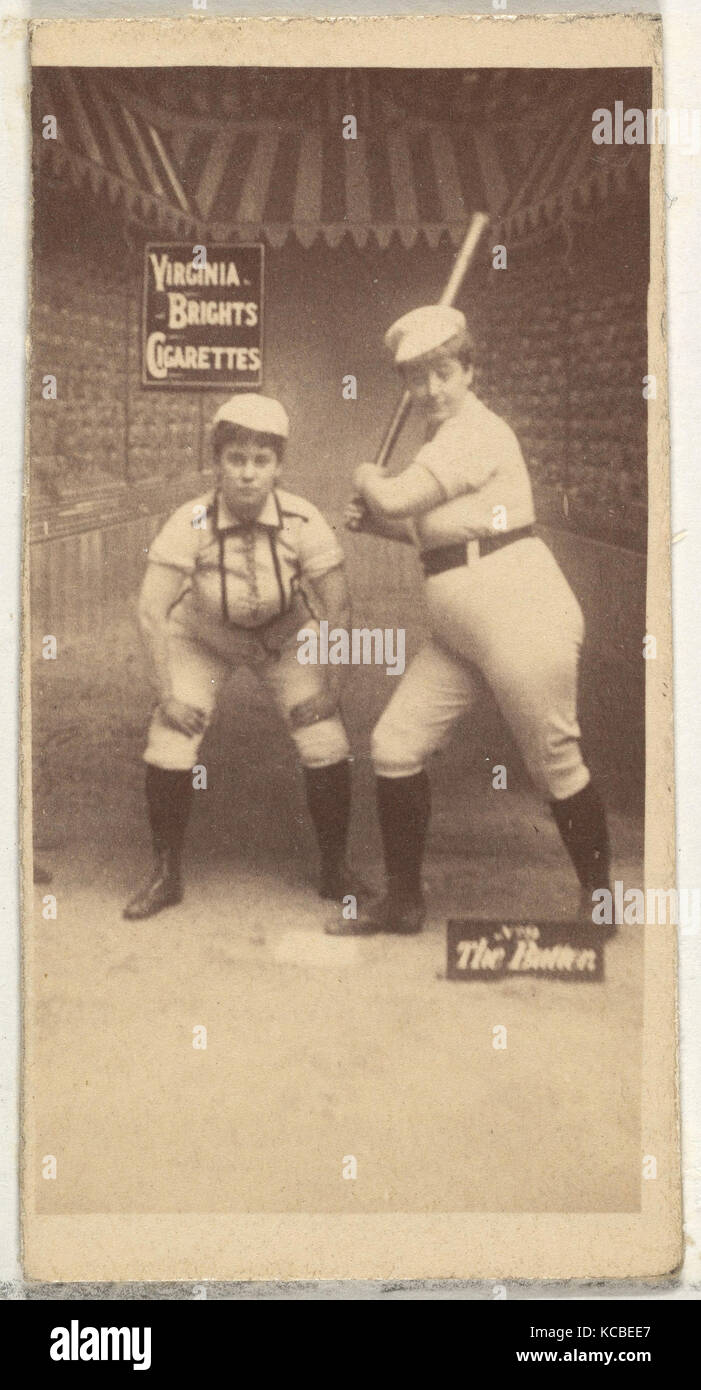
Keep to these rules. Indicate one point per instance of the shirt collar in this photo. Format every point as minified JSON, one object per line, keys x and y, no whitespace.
{"x":269,"y":515}
{"x":469,"y":405}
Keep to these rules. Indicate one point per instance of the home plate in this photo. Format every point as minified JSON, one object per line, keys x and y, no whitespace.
{"x":314,"y":948}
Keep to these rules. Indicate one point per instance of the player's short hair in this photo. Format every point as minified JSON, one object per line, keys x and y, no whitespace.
{"x":460,"y":347}
{"x":225,"y":433}
{"x":465,"y":354}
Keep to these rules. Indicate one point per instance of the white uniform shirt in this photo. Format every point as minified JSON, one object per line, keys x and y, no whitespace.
{"x":244,"y":574}
{"x":477,"y":460}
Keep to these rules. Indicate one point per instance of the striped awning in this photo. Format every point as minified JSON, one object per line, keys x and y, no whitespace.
{"x":227,"y":178}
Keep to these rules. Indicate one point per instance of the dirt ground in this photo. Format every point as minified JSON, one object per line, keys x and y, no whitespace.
{"x":317,"y":1049}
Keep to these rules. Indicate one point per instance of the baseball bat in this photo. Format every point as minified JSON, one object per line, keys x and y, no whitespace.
{"x":453,"y":285}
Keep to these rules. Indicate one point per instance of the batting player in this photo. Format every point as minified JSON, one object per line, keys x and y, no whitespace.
{"x":229,"y":582}
{"x":498,"y":605}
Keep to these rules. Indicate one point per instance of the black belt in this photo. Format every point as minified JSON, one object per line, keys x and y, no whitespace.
{"x":451,"y":557}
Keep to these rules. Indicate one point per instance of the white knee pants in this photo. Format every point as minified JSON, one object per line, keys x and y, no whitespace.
{"x":513,"y":617}
{"x":202,"y":659}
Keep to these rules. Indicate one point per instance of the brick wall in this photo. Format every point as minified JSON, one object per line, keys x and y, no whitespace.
{"x":561,"y":354}
{"x":102,"y":432}
{"x":79,"y":336}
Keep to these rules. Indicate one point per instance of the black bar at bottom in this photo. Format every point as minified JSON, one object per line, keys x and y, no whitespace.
{"x":183,"y":1331}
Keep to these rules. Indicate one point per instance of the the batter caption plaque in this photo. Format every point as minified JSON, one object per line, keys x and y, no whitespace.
{"x":202,"y":323}
{"x":481,"y":949}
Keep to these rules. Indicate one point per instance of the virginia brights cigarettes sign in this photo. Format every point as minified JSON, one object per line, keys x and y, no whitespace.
{"x":202,"y":319}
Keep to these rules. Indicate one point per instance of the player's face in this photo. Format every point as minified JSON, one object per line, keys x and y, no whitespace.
{"x":247,"y":471}
{"x":438,"y":385}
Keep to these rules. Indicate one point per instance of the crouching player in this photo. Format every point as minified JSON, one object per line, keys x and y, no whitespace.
{"x":231,"y":579}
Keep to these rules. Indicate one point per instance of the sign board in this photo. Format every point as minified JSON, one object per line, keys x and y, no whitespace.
{"x":202,"y":322}
{"x":481,"y":949}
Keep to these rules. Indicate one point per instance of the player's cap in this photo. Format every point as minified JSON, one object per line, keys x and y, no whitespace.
{"x":423,"y":330}
{"x":253,"y":412}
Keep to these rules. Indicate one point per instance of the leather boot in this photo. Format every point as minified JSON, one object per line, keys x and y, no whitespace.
{"x":581,"y":820}
{"x":163,"y":889}
{"x":329,"y":800}
{"x":404,"y":807}
{"x":337,"y":884}
{"x":392,"y":914}
{"x":585,"y":914}
{"x":168,"y":797}
{"x":404,"y":810}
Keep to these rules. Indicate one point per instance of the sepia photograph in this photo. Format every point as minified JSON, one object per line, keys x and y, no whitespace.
{"x":341,"y":749}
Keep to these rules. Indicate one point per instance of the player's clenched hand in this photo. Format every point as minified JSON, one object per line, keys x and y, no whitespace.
{"x":366,"y":472}
{"x":185,"y":718}
{"x":311,"y":711}
{"x":355,"y":514}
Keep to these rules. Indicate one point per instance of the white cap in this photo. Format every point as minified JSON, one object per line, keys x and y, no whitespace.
{"x":253,"y":412}
{"x":424,"y":330}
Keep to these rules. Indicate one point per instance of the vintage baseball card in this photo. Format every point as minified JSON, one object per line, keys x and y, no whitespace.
{"x":349,"y":913}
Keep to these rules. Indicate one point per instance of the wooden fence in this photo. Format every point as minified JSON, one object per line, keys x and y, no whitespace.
{"x":81,"y":580}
